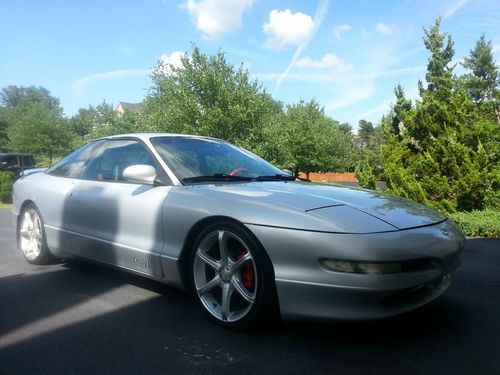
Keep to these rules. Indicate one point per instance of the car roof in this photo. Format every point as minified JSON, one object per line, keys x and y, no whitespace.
{"x":13,"y":154}
{"x":147,"y":136}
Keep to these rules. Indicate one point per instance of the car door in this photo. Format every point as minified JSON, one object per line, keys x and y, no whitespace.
{"x":112,"y":220}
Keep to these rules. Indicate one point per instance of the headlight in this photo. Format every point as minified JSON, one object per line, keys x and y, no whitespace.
{"x":379,"y":268}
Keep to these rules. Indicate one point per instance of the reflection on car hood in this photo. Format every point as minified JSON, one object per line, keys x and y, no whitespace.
{"x":400,"y":213}
{"x":28,"y":172}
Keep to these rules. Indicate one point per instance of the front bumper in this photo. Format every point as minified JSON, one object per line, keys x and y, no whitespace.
{"x":306,"y":289}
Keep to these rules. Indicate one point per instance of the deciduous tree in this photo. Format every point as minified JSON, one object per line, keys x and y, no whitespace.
{"x":102,"y":120}
{"x":206,"y":95}
{"x":35,"y":128}
{"x":33,"y":121}
{"x":14,"y":96}
{"x":304,"y":139}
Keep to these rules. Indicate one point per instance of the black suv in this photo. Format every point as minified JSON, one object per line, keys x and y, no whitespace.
{"x":16,"y":163}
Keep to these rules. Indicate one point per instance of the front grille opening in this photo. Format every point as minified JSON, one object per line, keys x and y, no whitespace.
{"x":422,"y":264}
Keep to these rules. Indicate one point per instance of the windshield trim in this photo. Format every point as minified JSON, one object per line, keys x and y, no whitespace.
{"x":210,"y":179}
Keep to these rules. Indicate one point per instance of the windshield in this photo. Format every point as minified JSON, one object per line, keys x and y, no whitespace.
{"x":196,"y":157}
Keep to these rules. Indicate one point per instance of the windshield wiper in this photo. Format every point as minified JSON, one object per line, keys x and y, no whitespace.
{"x":276,"y":177}
{"x":217,"y":177}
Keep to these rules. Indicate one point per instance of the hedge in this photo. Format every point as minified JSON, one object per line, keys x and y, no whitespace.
{"x":484,"y":223}
{"x":6,"y":179}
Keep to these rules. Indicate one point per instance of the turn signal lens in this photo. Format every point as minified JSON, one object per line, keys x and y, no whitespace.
{"x":378,"y":268}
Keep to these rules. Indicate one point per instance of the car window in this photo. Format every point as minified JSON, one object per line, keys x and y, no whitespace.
{"x":75,"y":164}
{"x":12,"y":161}
{"x":115,"y":156}
{"x":27,"y":160}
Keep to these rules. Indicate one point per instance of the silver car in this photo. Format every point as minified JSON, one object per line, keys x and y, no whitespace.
{"x":246,"y":238}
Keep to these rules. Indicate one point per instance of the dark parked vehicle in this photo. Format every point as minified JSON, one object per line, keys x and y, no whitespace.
{"x":16,"y":163}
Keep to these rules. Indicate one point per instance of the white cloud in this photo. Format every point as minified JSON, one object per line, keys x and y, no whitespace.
{"x":352,"y":95}
{"x":340,"y":29}
{"x":168,"y":61}
{"x":173,"y":59}
{"x":287,"y":28}
{"x":125,"y":49}
{"x":349,"y":79}
{"x":81,"y":83}
{"x":384,"y":29}
{"x":300,"y":77}
{"x":319,"y":16}
{"x":496,"y":48}
{"x":454,"y":8}
{"x":403,"y":71}
{"x":374,"y":114}
{"x":330,"y":61}
{"x":213,"y":18}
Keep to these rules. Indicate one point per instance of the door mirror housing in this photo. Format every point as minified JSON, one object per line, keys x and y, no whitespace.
{"x":140,"y":174}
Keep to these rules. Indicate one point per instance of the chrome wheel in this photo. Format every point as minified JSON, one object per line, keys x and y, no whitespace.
{"x":31,"y":234}
{"x":225,"y":275}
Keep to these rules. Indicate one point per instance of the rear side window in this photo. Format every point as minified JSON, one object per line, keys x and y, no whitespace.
{"x":27,"y":160}
{"x":12,"y":161}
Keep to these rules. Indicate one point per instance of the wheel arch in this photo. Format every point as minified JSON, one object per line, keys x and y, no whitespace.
{"x":26,"y":203}
{"x":46,"y":256}
{"x":185,"y":255}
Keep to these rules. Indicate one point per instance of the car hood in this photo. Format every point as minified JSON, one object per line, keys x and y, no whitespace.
{"x":319,"y":199}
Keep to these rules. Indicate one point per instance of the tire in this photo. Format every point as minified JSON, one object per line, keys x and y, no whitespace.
{"x":31,"y":239}
{"x":234,"y":287}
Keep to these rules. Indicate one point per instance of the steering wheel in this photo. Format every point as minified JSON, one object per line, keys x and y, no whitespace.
{"x":238,"y":170}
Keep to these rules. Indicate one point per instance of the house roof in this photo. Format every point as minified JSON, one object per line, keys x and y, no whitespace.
{"x":132,"y":107}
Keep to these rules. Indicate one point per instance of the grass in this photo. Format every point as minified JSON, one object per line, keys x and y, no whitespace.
{"x":484,"y":223}
{"x":5,"y":205}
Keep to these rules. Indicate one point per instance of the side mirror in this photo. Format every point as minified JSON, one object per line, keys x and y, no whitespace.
{"x":288,"y":172}
{"x":140,"y":174}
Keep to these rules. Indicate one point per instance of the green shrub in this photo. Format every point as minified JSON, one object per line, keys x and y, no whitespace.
{"x":6,"y":186}
{"x":492,"y":197}
{"x":365,"y":176}
{"x":484,"y":223}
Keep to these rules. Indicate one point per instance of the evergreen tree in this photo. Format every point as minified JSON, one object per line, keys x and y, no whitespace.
{"x":483,"y":131}
{"x":427,"y":157}
{"x":484,"y":72}
{"x":365,"y":131}
{"x":4,"y":125}
{"x":402,"y":106}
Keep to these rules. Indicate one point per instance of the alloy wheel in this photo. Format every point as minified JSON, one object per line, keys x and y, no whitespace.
{"x":225,"y":275}
{"x":31,"y":234}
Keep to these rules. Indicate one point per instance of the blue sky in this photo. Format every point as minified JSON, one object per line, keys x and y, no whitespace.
{"x":346,"y":54}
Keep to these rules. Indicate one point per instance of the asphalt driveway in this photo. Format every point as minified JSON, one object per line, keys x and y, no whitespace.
{"x":80,"y":318}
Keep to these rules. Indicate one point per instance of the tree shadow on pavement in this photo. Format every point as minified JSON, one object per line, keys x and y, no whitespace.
{"x":141,"y":326}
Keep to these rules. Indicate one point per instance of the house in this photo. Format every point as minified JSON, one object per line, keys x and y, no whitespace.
{"x":132,"y":107}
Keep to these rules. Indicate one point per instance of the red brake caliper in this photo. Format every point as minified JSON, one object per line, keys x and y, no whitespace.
{"x":247,"y":274}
